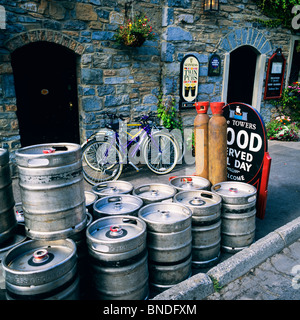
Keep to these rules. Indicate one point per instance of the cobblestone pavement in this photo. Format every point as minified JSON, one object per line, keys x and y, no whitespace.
{"x":278,"y":278}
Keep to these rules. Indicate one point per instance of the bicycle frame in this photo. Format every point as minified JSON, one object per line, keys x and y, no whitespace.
{"x":143,"y":133}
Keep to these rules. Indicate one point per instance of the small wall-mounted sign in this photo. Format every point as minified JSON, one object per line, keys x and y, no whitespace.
{"x":214,"y":65}
{"x":189,"y":76}
{"x":275,"y":75}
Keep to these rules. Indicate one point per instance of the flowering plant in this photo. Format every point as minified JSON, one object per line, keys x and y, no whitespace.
{"x":282,"y":128}
{"x":135,"y":31}
{"x":290,"y":101}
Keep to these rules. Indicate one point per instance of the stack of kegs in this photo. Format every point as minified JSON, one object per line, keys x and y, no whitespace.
{"x":238,"y":214}
{"x":169,"y":243}
{"x":206,"y":225}
{"x":54,"y":211}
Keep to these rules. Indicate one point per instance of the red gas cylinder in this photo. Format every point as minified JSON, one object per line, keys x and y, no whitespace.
{"x":217,"y":144}
{"x":201,"y":139}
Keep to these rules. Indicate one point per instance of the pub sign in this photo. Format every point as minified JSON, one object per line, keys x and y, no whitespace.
{"x":248,"y":159}
{"x":189,"y":80}
{"x":275,"y":75}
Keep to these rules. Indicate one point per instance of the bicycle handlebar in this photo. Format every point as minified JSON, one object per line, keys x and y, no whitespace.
{"x":141,"y":118}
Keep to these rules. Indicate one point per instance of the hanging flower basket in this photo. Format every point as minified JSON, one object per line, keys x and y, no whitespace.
{"x":135,"y":32}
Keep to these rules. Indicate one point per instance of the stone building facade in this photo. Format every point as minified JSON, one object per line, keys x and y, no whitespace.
{"x":110,"y":77}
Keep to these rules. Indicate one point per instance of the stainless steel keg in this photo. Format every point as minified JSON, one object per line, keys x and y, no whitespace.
{"x":206,"y":225}
{"x":90,"y":199}
{"x":154,"y":192}
{"x":8,"y":220}
{"x":206,"y":245}
{"x":117,"y":205}
{"x":238,"y":215}
{"x":52,"y":190}
{"x":112,"y":188}
{"x":183,"y":183}
{"x":205,"y":205}
{"x":42,"y":270}
{"x":118,"y":258}
{"x":233,"y":192}
{"x":17,"y":238}
{"x":169,"y":242}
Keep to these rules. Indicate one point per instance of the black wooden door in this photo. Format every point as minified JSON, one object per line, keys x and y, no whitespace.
{"x":46,"y":91}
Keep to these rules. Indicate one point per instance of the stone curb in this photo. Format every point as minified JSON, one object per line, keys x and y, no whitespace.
{"x":201,"y":285}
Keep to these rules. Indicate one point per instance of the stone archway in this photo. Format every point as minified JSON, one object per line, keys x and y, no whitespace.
{"x":260,"y":43}
{"x":44,"y":35}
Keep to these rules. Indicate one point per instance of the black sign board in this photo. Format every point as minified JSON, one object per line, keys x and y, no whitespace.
{"x":246,"y":142}
{"x":189,"y":80}
{"x":275,"y":75}
{"x":214,"y":65}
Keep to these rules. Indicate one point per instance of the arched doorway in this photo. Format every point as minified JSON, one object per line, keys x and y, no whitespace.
{"x":46,"y":91}
{"x":242,"y":69}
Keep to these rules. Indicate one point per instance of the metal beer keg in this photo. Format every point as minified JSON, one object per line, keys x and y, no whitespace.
{"x":184,"y":183}
{"x":169,"y":242}
{"x":112,"y":188}
{"x":205,"y":205}
{"x":238,"y":214}
{"x":90,"y":199}
{"x":17,"y":238}
{"x":52,"y":190}
{"x":42,"y":270}
{"x":118,"y":258}
{"x":154,"y":192}
{"x":117,"y":205}
{"x":206,"y":225}
{"x":8,"y":220}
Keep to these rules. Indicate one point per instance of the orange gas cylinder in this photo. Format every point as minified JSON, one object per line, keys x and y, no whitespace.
{"x":201,"y":139}
{"x":217,"y":144}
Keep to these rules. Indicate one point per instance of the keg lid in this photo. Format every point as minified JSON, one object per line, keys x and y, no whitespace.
{"x":122,"y":204}
{"x":235,"y":192}
{"x":154,"y":192}
{"x":36,"y":256}
{"x":48,"y":154}
{"x":189,"y":183}
{"x":116,"y":234}
{"x":4,"y":156}
{"x":110,"y":188}
{"x":165,"y":217}
{"x":90,"y":198}
{"x":198,"y":198}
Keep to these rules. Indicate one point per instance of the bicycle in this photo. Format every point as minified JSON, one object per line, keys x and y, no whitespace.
{"x":105,"y":152}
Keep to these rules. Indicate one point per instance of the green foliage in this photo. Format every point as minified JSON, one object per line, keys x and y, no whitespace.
{"x":289,"y":103}
{"x":279,"y":10}
{"x":135,"y":31}
{"x":167,"y":112}
{"x":282,"y":128}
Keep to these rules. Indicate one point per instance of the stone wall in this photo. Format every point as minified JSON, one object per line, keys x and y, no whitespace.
{"x":128,"y":81}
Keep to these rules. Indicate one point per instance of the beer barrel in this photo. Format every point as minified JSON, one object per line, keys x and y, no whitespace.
{"x":42,"y":270}
{"x":154,"y":192}
{"x":117,"y":205}
{"x":206,"y":225}
{"x":52,"y":190}
{"x":8,"y":220}
{"x":169,"y":242}
{"x":118,"y":258}
{"x":238,"y":214}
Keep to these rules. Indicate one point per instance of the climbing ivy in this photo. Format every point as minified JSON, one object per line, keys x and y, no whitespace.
{"x":280,"y":12}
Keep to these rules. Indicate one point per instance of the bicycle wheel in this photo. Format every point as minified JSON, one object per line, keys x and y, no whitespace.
{"x":101,"y":161}
{"x":161,"y":153}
